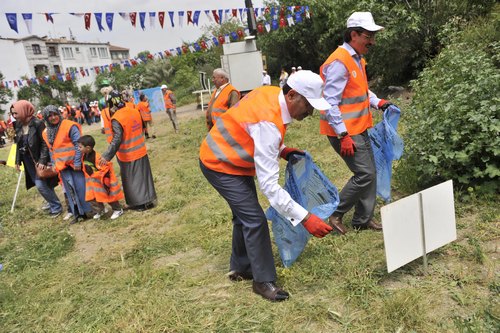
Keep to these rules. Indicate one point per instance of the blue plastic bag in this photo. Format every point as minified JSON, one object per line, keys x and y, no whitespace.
{"x":387,"y":146}
{"x":310,"y":188}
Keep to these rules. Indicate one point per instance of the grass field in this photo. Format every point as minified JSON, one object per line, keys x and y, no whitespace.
{"x":163,"y":270}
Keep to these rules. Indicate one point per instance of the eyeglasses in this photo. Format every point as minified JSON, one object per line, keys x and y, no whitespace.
{"x":368,"y":37}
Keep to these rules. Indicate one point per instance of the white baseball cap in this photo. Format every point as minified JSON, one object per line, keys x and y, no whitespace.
{"x":310,"y":85}
{"x":363,"y":20}
{"x":164,"y":86}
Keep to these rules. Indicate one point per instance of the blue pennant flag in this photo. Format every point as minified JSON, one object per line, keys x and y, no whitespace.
{"x":98,"y":18}
{"x":179,"y":50}
{"x":171,"y":14}
{"x":142,"y":19}
{"x":109,"y":20}
{"x":274,"y":25}
{"x":298,"y":15}
{"x":234,"y":35}
{"x":197,"y":47}
{"x":196,"y":17}
{"x":12,"y":19}
{"x":216,"y":41}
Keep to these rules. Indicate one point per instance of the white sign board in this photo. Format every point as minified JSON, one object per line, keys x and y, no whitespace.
{"x":418,"y":224}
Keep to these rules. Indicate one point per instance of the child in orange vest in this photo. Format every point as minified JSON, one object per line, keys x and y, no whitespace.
{"x":101,"y":184}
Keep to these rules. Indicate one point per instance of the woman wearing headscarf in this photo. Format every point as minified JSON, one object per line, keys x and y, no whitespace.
{"x":31,"y":150}
{"x":61,"y":137}
{"x":129,"y":146}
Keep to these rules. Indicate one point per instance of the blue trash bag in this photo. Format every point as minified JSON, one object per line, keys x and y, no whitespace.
{"x":387,"y":146}
{"x":310,"y":188}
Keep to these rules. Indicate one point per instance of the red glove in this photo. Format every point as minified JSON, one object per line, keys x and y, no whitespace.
{"x":286,"y":152}
{"x":347,"y":146}
{"x":315,"y":226}
{"x":384,"y":104}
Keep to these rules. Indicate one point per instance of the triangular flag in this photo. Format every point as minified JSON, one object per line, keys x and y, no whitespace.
{"x":210,"y":18}
{"x":234,"y":12}
{"x":298,"y":16}
{"x":196,"y":17}
{"x":308,"y":15}
{"x":221,"y":15}
{"x":28,"y":18}
{"x":227,"y":39}
{"x":124,"y":16}
{"x":132,"y":16}
{"x":171,"y":14}
{"x":98,"y":18}
{"x":161,"y":18}
{"x":152,"y":19}
{"x":86,"y":19}
{"x":109,"y":21}
{"x":216,"y":16}
{"x":181,"y":18}
{"x":12,"y":19}
{"x":142,"y":19}
{"x":49,"y":18}
{"x":190,"y":17}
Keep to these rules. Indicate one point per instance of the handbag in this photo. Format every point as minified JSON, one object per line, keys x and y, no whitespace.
{"x":43,"y":173}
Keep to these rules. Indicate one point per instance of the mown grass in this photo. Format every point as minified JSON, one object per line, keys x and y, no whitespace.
{"x":163,"y":270}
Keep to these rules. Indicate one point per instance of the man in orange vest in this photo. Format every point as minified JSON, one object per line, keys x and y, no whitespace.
{"x":348,"y":118}
{"x":170,"y":107}
{"x":224,"y":96}
{"x":247,"y":141}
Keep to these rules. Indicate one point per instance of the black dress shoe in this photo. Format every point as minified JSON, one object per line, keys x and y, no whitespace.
{"x":336,"y":223}
{"x":270,"y":291}
{"x":240,"y":276}
{"x":373,"y":225}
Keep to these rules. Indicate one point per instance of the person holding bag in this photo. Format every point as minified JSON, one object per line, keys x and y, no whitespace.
{"x":32,"y":152}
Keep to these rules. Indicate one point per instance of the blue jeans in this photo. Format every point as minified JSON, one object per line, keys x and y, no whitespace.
{"x":49,"y":195}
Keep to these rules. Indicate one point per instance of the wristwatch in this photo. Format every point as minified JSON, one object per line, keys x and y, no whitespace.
{"x":342,"y":135}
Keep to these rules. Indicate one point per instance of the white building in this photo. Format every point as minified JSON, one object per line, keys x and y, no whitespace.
{"x":33,"y":56}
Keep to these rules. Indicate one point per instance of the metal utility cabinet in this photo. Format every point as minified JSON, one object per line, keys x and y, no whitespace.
{"x":243,"y":62}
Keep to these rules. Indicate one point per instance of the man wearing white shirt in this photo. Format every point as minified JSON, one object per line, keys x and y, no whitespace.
{"x":224,"y":96}
{"x":266,"y":79}
{"x":246,"y":141}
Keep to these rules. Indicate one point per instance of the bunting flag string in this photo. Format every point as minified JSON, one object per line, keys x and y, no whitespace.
{"x":271,"y":19}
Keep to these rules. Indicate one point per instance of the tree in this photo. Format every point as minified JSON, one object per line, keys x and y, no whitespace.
{"x":5,"y":94}
{"x":50,"y":92}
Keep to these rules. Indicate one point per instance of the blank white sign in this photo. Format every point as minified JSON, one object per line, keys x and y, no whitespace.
{"x":402,"y":226}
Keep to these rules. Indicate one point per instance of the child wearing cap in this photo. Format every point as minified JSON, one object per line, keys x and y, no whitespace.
{"x":101,"y":184}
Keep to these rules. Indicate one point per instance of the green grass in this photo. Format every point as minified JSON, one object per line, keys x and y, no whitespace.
{"x":163,"y":270}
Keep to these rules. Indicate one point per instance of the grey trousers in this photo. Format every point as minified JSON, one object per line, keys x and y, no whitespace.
{"x":172,"y":114}
{"x":361,"y":189}
{"x":251,"y":244}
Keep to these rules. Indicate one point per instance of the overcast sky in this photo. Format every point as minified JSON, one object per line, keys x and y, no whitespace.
{"x":123,"y":34}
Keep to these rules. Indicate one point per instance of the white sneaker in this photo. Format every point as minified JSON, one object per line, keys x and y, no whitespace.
{"x":100,"y":214}
{"x":67,"y":216}
{"x":46,"y":206}
{"x":117,"y":214}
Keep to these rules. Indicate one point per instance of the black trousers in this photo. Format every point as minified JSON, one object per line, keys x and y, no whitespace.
{"x":251,"y":244}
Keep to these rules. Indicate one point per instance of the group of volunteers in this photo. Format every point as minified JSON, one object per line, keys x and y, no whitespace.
{"x":246,"y":139}
{"x":53,"y":150}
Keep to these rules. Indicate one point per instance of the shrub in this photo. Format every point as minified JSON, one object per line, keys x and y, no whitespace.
{"x":453,"y":125}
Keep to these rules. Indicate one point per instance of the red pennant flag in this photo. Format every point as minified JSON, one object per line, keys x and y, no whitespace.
{"x":87,"y":18}
{"x":15,"y":83}
{"x":185,"y":49}
{"x":2,"y":85}
{"x":161,"y":18}
{"x":260,"y":28}
{"x":167,"y":53}
{"x":221,"y":39}
{"x":203,"y":44}
{"x":68,"y":77}
{"x":240,"y":33}
{"x":48,"y":17}
{"x":53,"y":78}
{"x":235,"y":12}
{"x":96,"y":69}
{"x":82,"y":72}
{"x":132,"y":18}
{"x":282,"y":22}
{"x":190,"y":17}
{"x":216,"y":16}
{"x":133,"y":62}
{"x":41,"y":80}
{"x":150,"y":56}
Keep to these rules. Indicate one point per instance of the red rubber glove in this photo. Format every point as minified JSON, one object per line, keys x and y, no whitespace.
{"x":315,"y":226}
{"x":384,"y":104}
{"x":286,"y":152}
{"x":347,"y":146}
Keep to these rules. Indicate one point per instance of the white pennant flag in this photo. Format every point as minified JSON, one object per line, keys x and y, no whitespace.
{"x":290,"y":21}
{"x":210,"y":18}
{"x":181,"y":18}
{"x":28,"y":19}
{"x":268,"y":27}
{"x":192,"y":49}
{"x":152,"y":16}
{"x":227,"y":40}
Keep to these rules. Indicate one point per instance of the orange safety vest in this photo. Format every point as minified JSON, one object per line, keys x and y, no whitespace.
{"x":130,"y":105}
{"x":106,"y":121}
{"x":102,"y":185}
{"x":355,"y":102}
{"x":133,"y":145}
{"x":145,"y":111}
{"x":219,"y":104}
{"x":228,"y":148}
{"x":63,"y":149}
{"x":168,"y":102}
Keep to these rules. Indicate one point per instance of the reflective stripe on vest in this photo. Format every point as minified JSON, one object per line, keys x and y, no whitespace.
{"x":145,"y":111}
{"x":228,"y":148}
{"x":106,"y":119}
{"x":63,"y":150}
{"x":133,"y":145}
{"x":94,"y":187}
{"x":354,"y":104}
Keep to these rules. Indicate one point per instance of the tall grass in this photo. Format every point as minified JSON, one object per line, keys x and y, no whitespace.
{"x":163,"y":270}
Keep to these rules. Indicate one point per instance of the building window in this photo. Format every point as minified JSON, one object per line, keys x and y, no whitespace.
{"x":103,"y":52}
{"x":40,"y":70}
{"x":36,"y":49}
{"x":77,"y":49}
{"x":57,"y":69}
{"x":52,"y":51}
{"x":93,"y":52}
{"x":67,"y":53}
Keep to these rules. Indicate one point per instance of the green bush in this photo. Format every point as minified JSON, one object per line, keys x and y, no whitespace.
{"x":453,"y":125}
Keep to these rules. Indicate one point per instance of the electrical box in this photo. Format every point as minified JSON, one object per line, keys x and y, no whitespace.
{"x":243,"y":62}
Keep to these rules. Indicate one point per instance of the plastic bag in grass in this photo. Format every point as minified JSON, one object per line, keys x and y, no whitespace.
{"x":387,"y":146}
{"x":310,"y":188}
